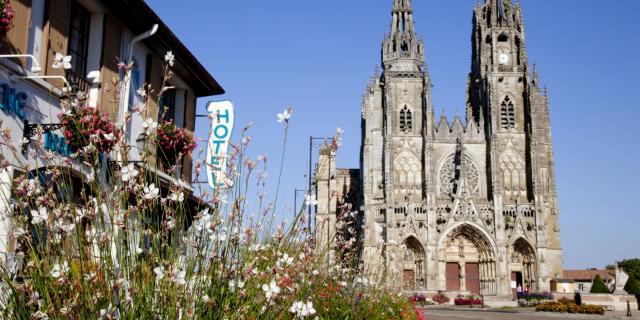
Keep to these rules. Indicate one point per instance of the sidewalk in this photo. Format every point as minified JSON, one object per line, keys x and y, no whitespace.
{"x":453,"y":313}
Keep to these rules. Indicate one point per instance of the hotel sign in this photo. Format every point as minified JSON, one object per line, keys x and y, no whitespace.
{"x":222,"y":118}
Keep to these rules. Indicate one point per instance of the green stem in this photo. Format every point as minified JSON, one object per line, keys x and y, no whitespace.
{"x":275,"y":201}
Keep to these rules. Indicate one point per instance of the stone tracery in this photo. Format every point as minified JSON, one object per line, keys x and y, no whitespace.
{"x":448,"y":175}
{"x":513,"y":174}
{"x":407,"y":170}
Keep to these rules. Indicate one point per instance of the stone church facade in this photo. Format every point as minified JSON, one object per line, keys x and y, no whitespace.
{"x":457,"y":206}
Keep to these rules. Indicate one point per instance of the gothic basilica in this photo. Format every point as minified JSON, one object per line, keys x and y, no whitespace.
{"x":451,"y":205}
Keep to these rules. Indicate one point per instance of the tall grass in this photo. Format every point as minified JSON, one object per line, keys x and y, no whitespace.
{"x":116,"y":240}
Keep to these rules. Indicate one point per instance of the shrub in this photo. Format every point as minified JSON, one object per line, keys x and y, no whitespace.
{"x":440,"y":298}
{"x":632,"y":286}
{"x":565,"y":301}
{"x":598,"y":285}
{"x":562,"y":307}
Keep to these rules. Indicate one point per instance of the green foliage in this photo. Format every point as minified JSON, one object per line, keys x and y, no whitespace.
{"x":570,"y":307}
{"x":632,"y":286}
{"x":631,"y":267}
{"x":598,"y":285}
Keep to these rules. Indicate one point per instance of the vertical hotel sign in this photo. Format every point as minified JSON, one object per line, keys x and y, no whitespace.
{"x":222,"y":118}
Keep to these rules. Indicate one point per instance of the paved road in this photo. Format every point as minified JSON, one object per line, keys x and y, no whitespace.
{"x":483,"y":315}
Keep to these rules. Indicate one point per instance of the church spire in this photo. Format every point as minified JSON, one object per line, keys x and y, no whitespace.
{"x":402,"y":5}
{"x":402,"y":23}
{"x":402,"y":43}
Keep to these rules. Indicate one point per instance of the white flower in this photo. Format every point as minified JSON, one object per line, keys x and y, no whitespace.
{"x":206,"y":298}
{"x":151,"y":192}
{"x":169,"y":58}
{"x":39,"y":216}
{"x":39,"y":315}
{"x":141,"y":92}
{"x":179,"y":276}
{"x":110,"y":136}
{"x":271,"y":289}
{"x":285,"y":116}
{"x":90,"y":176}
{"x":285,"y":260}
{"x":235,"y":284}
{"x":59,"y":270}
{"x":149,"y":125}
{"x":310,"y":200}
{"x":138,"y":250}
{"x":219,"y":236}
{"x":339,"y":131}
{"x":176,"y":197}
{"x":159,"y":271}
{"x":302,"y":310}
{"x":61,"y":61}
{"x":129,"y":172}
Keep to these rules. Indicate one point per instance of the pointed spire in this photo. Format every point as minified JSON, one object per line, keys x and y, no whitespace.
{"x":402,"y":23}
{"x":535,"y":76}
{"x":402,"y":5}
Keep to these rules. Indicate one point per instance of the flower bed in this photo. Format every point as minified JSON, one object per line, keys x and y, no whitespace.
{"x":529,"y":300}
{"x":467,"y":300}
{"x":440,"y":299}
{"x":570,"y":307}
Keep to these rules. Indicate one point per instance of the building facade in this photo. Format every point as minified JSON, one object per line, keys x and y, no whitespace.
{"x":97,"y":35}
{"x":457,"y":206}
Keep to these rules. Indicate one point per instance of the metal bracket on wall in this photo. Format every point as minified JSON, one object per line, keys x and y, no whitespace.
{"x":30,"y":130}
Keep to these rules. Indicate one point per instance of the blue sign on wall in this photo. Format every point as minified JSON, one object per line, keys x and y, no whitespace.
{"x":57,"y":144}
{"x":12,"y":102}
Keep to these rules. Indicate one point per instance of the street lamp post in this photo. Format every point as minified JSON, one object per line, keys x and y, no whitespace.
{"x":312,"y":143}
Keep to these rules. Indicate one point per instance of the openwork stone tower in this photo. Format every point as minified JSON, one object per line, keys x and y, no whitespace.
{"x":452,"y":205}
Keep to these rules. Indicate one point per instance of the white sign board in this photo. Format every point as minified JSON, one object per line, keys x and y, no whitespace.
{"x":222,"y":118}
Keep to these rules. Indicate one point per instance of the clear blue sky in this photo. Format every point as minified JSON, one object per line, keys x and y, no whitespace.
{"x":318,"y":56}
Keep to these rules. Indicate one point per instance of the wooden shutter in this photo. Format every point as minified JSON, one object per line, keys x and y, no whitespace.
{"x":56,"y":35}
{"x":17,"y":39}
{"x":109,"y":66}
{"x":190,"y":125}
{"x":190,"y":112}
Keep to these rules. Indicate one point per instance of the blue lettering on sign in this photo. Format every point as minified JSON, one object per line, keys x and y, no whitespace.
{"x":56,"y":143}
{"x":222,"y":116}
{"x":12,"y":102}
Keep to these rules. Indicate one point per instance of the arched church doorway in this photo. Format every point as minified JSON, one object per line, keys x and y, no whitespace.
{"x":413,"y":258}
{"x":523,"y":266}
{"x":468,"y":261}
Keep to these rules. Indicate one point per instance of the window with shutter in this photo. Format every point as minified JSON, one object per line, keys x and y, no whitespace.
{"x":109,"y":65}
{"x":78,"y":47}
{"x":56,"y":35}
{"x":17,"y":39}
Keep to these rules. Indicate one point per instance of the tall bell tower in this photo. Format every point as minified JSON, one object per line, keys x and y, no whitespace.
{"x":505,"y":97}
